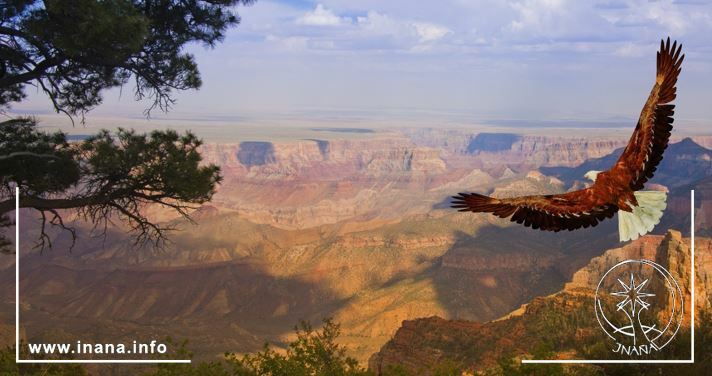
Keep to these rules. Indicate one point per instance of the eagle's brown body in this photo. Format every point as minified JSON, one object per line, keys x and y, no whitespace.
{"x":612,"y":190}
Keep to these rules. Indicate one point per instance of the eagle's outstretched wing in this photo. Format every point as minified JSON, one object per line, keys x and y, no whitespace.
{"x":587,"y":207}
{"x":566,"y":211}
{"x":645,"y":148}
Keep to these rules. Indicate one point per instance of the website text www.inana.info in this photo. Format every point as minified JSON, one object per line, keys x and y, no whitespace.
{"x":79,"y":347}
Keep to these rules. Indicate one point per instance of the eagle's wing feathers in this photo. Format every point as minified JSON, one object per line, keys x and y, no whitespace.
{"x":587,"y":207}
{"x":566,"y":211}
{"x":652,"y":133}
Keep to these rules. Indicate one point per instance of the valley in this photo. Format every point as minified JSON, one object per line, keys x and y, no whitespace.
{"x":354,"y":225}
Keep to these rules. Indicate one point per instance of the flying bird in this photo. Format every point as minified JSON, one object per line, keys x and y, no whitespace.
{"x":617,"y":190}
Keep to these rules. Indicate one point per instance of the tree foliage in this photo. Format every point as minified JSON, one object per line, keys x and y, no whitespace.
{"x":106,"y":176}
{"x":316,"y":353}
{"x":72,"y":50}
{"x":312,"y":353}
{"x":8,"y":366}
{"x":600,"y":349}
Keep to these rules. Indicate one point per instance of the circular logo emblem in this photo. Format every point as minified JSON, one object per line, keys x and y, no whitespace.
{"x":640,"y":306}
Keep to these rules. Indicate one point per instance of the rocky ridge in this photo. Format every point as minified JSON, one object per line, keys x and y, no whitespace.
{"x":420,"y":344}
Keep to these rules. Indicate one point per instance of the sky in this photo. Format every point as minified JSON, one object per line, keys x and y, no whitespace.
{"x":538,"y":60}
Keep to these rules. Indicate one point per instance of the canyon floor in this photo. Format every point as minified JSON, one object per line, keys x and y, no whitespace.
{"x":347,"y":222}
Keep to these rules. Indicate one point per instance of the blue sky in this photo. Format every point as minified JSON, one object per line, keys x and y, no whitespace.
{"x":528,"y":59}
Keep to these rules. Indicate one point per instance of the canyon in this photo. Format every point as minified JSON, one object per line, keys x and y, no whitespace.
{"x":566,"y":318}
{"x":352,"y":224}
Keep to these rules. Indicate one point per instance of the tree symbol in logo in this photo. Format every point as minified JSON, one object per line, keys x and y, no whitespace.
{"x":633,"y":296}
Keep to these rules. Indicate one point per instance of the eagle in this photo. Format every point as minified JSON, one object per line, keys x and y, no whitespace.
{"x":617,"y":190}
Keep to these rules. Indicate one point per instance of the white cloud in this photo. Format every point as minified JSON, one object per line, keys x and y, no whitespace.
{"x":321,"y":16}
{"x":667,"y":16}
{"x":633,"y":50}
{"x":512,"y":27}
{"x":409,"y":34}
{"x":535,"y":13}
{"x":431,"y":55}
{"x":289,"y":43}
{"x":378,"y":23}
{"x":430,"y":32}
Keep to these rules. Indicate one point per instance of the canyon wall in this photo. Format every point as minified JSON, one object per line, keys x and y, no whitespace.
{"x":358,"y":229}
{"x":568,"y":315}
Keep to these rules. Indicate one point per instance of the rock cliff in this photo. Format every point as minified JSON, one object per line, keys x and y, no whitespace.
{"x":567,"y":316}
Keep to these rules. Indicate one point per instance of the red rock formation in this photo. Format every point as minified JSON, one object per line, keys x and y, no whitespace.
{"x":420,"y":344}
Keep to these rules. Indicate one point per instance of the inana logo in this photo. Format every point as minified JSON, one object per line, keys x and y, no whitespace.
{"x":640,"y":306}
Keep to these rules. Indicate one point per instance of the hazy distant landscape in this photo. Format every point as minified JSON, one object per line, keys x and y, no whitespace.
{"x":347,"y":222}
{"x":265,"y":186}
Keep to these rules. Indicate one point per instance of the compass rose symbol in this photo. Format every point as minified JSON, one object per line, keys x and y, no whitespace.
{"x":633,"y":296}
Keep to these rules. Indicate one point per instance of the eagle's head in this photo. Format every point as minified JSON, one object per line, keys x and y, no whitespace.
{"x":591,"y":175}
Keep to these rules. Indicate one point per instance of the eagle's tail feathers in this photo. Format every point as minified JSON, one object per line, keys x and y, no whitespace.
{"x":644,"y":217}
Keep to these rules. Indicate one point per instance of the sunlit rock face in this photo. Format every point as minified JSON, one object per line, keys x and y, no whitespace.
{"x":355,"y":228}
{"x":423,"y":343}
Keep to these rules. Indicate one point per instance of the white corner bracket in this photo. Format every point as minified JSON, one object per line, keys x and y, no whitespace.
{"x":692,"y":317}
{"x":17,"y":313}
